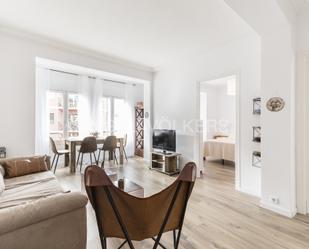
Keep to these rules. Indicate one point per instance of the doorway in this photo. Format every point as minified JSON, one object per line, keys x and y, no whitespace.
{"x":218,"y":115}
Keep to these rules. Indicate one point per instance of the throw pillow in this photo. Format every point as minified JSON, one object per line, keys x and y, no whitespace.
{"x":20,"y":167}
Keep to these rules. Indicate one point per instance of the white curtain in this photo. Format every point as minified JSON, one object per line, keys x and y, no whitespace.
{"x":84,"y":106}
{"x":90,"y":116}
{"x":129,"y":118}
{"x":96,"y":106}
{"x":41,"y":111}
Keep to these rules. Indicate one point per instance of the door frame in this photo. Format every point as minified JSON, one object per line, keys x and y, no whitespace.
{"x":302,"y":133}
{"x":199,"y":136}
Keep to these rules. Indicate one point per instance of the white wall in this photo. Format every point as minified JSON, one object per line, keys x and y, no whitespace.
{"x":175,"y":94}
{"x":17,"y":83}
{"x":220,"y":109}
{"x":278,"y":175}
{"x":271,"y":20}
{"x":302,"y":31}
{"x":302,"y":110}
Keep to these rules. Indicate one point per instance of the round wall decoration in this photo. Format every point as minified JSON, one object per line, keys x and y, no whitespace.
{"x":275,"y":104}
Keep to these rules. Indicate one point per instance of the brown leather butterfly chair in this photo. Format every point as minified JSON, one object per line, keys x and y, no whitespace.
{"x":124,"y":216}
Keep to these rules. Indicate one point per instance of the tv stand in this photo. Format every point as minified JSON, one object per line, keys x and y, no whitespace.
{"x":167,"y":153}
{"x":165,"y":162}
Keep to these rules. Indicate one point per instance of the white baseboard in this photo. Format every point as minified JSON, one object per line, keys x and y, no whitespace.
{"x":278,"y":209}
{"x":249,"y":192}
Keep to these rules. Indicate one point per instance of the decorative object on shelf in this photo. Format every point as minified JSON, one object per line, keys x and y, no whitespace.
{"x":257,"y":106}
{"x":139,"y":129}
{"x":275,"y":104}
{"x":256,"y":134}
{"x":2,"y":152}
{"x":256,"y":159}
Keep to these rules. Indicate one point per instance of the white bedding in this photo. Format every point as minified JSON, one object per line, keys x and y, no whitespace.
{"x":220,"y":148}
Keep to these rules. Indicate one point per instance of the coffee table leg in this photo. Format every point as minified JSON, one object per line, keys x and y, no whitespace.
{"x":66,"y":156}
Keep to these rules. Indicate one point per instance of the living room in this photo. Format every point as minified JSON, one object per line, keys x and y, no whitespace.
{"x":116,"y":85}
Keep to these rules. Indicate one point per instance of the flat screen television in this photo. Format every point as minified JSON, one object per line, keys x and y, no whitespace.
{"x":164,"y":140}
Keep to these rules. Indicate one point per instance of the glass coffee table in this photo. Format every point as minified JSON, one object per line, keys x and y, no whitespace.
{"x":132,"y":188}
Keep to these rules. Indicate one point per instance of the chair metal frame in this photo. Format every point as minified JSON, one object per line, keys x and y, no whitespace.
{"x":57,"y":154}
{"x":82,"y":158}
{"x":84,"y":143}
{"x":112,"y":153}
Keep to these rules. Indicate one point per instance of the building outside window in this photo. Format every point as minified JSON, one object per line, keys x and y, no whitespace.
{"x":63,"y":116}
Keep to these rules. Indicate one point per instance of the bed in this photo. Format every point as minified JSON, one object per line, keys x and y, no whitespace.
{"x":220,"y":148}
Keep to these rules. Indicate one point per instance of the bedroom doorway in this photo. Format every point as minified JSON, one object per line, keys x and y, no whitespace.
{"x":218,"y":105}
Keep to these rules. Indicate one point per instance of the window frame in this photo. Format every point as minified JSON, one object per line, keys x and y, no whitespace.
{"x":65,"y":95}
{"x":112,"y":115}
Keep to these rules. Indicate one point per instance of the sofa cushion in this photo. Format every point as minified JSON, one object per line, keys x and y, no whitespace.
{"x":24,"y":189}
{"x":20,"y":167}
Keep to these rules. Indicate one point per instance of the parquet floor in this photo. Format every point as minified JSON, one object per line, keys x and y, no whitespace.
{"x":218,"y":217}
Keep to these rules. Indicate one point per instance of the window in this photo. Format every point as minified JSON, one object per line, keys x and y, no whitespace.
{"x":113,"y":115}
{"x":107,"y":115}
{"x":63,"y":115}
{"x":119,"y":114}
{"x":72,"y":115}
{"x":56,"y":113}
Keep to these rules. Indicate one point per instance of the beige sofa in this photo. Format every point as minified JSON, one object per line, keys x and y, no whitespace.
{"x":36,"y":213}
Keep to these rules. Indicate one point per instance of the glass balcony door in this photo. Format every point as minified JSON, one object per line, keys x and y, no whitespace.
{"x":63,"y":116}
{"x":113,"y":115}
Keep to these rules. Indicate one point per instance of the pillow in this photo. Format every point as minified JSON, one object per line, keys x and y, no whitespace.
{"x":20,"y":167}
{"x":2,"y":187}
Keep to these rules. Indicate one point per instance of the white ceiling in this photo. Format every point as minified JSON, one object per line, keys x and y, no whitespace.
{"x":149,"y":32}
{"x":299,"y":4}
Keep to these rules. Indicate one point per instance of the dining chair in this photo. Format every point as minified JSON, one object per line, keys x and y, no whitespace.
{"x":57,"y":153}
{"x":121,"y":215}
{"x":88,"y":146}
{"x":110,"y":145}
{"x":124,"y":146}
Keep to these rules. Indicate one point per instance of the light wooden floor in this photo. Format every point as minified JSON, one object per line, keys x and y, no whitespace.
{"x":218,"y":217}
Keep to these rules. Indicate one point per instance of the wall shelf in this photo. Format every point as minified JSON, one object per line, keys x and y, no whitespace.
{"x":257,"y":106}
{"x":257,"y":135}
{"x":256,"y":159}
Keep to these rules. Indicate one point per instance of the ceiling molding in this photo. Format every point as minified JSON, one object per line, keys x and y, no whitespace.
{"x":37,"y":38}
{"x":147,"y":34}
{"x":80,"y":70}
